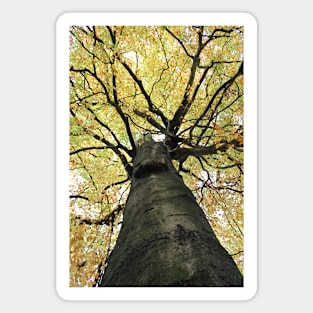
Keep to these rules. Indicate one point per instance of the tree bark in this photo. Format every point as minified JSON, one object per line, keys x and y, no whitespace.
{"x":166,"y":239}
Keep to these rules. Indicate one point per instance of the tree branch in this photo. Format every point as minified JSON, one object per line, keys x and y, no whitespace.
{"x":127,"y":166}
{"x":78,"y":197}
{"x":90,"y":52}
{"x":224,"y":86}
{"x":239,"y":252}
{"x":150,"y":120}
{"x":119,"y":145}
{"x":108,"y":219}
{"x":187,"y":99}
{"x":181,"y":153}
{"x":86,"y":149}
{"x":151,"y":106}
{"x":114,"y":104}
{"x":179,"y":41}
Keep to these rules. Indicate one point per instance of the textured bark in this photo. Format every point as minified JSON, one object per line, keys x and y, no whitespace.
{"x":166,"y":239}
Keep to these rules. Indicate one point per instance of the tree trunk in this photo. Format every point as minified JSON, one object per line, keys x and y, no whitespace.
{"x":166,"y":239}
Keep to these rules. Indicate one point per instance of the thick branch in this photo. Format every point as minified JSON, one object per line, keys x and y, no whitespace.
{"x":115,"y":149}
{"x":84,"y":46}
{"x":78,"y":197}
{"x":179,"y":41}
{"x":142,"y":89}
{"x":119,"y":145}
{"x":115,"y":184}
{"x":150,"y":120}
{"x":86,"y":149}
{"x":108,"y":219}
{"x":152,"y":107}
{"x":94,"y":74}
{"x":114,"y":104}
{"x":187,"y":99}
{"x":223,"y":30}
{"x":181,"y":153}
{"x":224,"y":86}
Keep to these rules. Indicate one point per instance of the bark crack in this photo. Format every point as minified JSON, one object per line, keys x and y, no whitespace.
{"x":147,"y":210}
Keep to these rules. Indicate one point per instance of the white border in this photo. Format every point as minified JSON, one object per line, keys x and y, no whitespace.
{"x":62,"y":157}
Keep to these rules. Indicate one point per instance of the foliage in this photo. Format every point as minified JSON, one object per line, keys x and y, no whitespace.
{"x":184,"y":85}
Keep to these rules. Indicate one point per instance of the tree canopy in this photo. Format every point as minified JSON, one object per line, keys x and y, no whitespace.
{"x":183,"y":85}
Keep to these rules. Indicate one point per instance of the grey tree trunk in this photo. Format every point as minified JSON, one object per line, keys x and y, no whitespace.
{"x":166,"y":239}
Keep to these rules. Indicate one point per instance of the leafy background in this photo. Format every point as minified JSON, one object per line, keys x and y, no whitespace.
{"x":182,"y":85}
